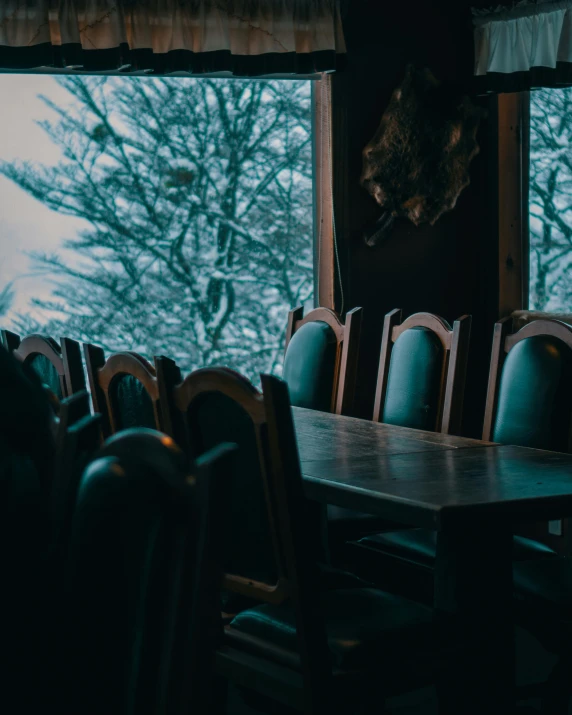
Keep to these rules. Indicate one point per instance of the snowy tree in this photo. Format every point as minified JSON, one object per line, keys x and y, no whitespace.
{"x":6,"y":299}
{"x":197,"y":201}
{"x":551,"y":200}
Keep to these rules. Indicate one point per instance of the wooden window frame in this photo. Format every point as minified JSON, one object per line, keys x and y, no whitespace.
{"x":513,"y":172}
{"x":324,"y":192}
{"x":513,"y":212}
{"x":325,"y":293}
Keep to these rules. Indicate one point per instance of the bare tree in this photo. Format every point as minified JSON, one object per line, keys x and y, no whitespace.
{"x":6,"y":299}
{"x":197,"y":201}
{"x":551,"y":199}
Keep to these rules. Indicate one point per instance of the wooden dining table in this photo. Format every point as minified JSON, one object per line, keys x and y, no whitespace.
{"x":474,"y":494}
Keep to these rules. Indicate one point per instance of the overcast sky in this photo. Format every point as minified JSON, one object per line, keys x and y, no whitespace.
{"x":25,"y":224}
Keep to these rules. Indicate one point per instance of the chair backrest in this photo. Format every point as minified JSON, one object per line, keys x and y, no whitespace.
{"x":215,"y":405}
{"x":27,"y":420}
{"x":529,"y":396}
{"x":143,"y":578}
{"x":78,"y":438}
{"x":422,"y":370}
{"x":59,"y":366}
{"x":124,"y":390}
{"x":24,"y":530}
{"x":320,"y":359}
{"x":70,"y":411}
{"x":268,"y":556}
{"x":27,"y":450}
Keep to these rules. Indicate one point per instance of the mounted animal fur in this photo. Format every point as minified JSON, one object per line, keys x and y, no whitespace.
{"x":417,"y":163}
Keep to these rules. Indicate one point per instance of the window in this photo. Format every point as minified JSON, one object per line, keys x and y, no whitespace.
{"x":550,"y":200}
{"x":163,"y":215}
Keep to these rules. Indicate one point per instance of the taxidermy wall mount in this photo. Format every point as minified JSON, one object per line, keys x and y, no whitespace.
{"x":417,"y":163}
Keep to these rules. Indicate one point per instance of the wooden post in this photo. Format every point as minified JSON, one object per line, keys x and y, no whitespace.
{"x":324,"y":294}
{"x":513,"y":132}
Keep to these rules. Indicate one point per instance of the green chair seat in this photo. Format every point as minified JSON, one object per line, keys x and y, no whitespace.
{"x":363,"y":626}
{"x":420,"y":546}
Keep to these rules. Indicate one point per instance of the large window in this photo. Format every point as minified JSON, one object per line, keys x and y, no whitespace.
{"x":551,"y":200}
{"x":167,"y":216}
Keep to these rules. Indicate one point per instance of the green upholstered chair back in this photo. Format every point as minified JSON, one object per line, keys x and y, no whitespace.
{"x":47,"y":373}
{"x":422,"y":369}
{"x":533,"y":397}
{"x":320,"y":360}
{"x":129,"y":552}
{"x":131,"y":404}
{"x":310,"y":366}
{"x":266,"y":503}
{"x":414,"y":381}
{"x":119,"y":544}
{"x":214,"y":418}
{"x":26,"y":416}
{"x":24,"y":530}
{"x":124,"y":390}
{"x":212,"y":405}
{"x":59,"y":367}
{"x":27,"y":451}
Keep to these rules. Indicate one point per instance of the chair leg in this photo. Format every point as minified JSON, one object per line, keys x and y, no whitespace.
{"x":558,"y":690}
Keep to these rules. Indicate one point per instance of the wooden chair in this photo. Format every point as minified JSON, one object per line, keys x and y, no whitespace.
{"x":529,"y":400}
{"x":515,"y":412}
{"x":320,"y":359}
{"x":78,"y":438}
{"x":124,"y":390}
{"x":320,"y":367}
{"x":59,"y":366}
{"x":28,"y":422}
{"x":291,"y":641}
{"x":27,"y":455}
{"x":529,"y":403}
{"x":422,"y":370}
{"x":140,"y":609}
{"x":421,"y":384}
{"x":24,"y":534}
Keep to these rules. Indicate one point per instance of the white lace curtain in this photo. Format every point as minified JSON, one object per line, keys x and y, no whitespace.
{"x":240,"y":36}
{"x":527,"y":45}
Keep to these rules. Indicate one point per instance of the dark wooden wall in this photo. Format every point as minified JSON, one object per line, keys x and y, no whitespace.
{"x":450,"y":268}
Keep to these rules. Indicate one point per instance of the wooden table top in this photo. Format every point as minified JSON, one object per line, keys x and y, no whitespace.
{"x":428,"y":480}
{"x":325,"y":436}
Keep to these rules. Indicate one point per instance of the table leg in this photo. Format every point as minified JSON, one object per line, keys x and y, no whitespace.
{"x":473,"y":603}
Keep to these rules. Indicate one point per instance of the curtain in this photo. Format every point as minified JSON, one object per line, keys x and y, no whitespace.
{"x":244,"y":37}
{"x":528,"y":45}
